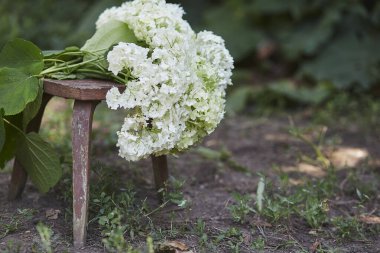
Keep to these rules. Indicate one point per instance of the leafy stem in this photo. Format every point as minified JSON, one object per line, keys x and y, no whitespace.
{"x":66,"y":67}
{"x":53,"y":60}
{"x":102,"y":73}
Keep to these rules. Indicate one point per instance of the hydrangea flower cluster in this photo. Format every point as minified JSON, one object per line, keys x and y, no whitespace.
{"x":176,"y":91}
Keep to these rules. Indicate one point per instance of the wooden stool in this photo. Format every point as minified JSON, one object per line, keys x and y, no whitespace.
{"x":86,"y":94}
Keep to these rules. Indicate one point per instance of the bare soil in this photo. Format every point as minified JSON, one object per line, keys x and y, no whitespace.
{"x":263,"y":145}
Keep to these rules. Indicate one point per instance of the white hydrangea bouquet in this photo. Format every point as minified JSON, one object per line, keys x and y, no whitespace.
{"x":175,"y":80}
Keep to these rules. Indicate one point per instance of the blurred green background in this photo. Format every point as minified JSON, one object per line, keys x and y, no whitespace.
{"x":302,"y":50}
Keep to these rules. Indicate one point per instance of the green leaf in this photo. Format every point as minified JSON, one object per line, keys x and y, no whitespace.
{"x":238,"y":99}
{"x":40,"y":161}
{"x":305,"y":40}
{"x":22,"y":55}
{"x":51,"y":53}
{"x":209,"y":153}
{"x":314,"y":96}
{"x":260,"y":194}
{"x":348,"y":61}
{"x":2,"y":130}
{"x":33,"y":107}
{"x":17,"y":89}
{"x":72,"y":49}
{"x":12,"y":138}
{"x":107,"y":35}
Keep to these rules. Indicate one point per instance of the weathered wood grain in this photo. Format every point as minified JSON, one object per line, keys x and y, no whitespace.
{"x":86,"y":89}
{"x":81,"y":146}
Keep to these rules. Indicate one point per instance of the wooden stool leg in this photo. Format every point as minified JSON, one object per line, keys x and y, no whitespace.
{"x":19,"y":175}
{"x":18,"y":181}
{"x":81,"y":143}
{"x":161,"y":173}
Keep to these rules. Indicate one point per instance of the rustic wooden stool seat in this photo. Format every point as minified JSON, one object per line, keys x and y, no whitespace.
{"x":86,"y":94}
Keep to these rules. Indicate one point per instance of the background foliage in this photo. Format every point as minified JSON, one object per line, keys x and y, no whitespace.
{"x":334,"y":42}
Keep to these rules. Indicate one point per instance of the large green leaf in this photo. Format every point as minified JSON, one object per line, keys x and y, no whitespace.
{"x":23,"y":55}
{"x":16,"y":90}
{"x":40,"y":161}
{"x":2,"y":130}
{"x":306,"y":39}
{"x":33,"y":107}
{"x":304,"y":95}
{"x":348,"y":60}
{"x":238,"y":99}
{"x":107,"y":35}
{"x":12,"y":139}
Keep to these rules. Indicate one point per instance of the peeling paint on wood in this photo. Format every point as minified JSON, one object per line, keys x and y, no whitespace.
{"x":81,"y":142}
{"x":86,"y":89}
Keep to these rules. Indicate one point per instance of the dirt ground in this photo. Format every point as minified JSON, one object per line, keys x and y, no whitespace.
{"x":262,"y":145}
